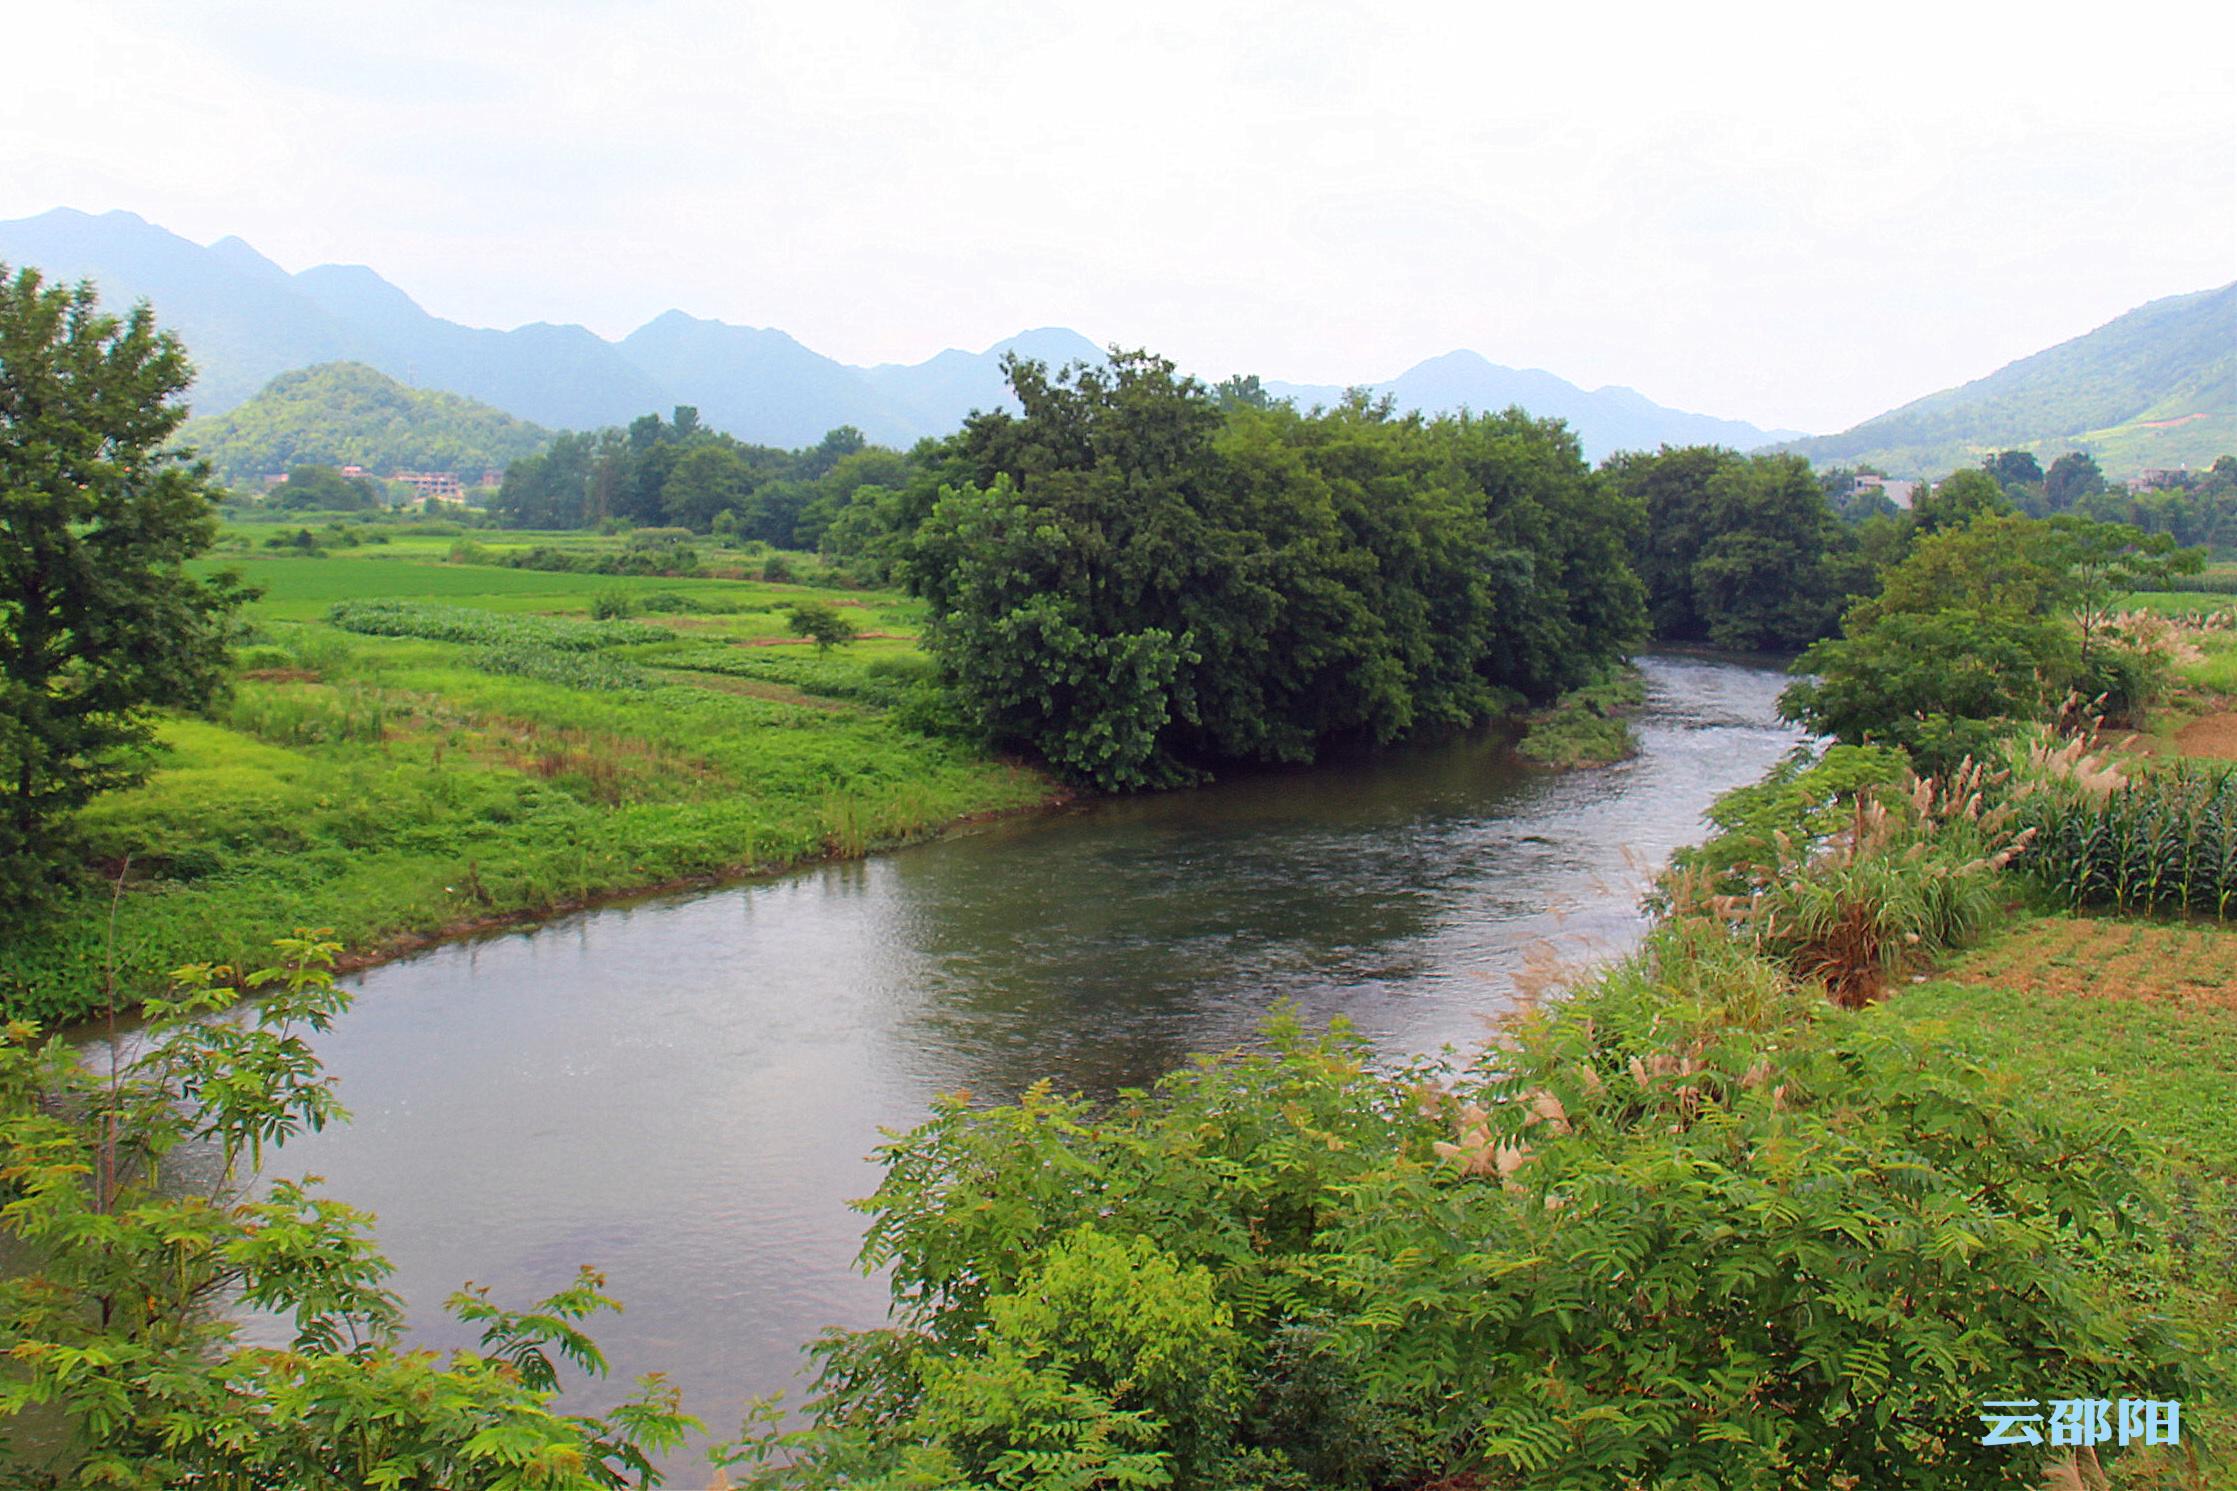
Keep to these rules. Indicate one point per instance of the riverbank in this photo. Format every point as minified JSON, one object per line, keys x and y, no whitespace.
{"x":466,"y":747}
{"x":417,"y":750}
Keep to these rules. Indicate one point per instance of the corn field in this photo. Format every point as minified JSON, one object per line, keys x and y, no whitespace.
{"x":2166,"y":841}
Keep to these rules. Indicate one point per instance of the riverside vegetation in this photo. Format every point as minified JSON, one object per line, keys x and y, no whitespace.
{"x":1769,"y":1203}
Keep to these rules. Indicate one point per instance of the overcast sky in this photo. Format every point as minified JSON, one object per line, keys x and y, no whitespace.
{"x":1794,"y":214}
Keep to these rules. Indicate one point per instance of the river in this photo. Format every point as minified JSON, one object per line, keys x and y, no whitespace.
{"x":683,"y":1092}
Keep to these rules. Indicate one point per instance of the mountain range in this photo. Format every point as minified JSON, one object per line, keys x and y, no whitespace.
{"x":245,"y":320}
{"x":2154,"y":387}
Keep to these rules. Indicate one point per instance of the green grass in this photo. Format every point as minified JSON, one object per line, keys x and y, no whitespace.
{"x":2148,"y":1048}
{"x":1587,"y":726}
{"x":394,"y":787}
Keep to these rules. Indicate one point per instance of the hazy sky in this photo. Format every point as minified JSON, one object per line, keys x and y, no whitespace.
{"x":1790,"y":213}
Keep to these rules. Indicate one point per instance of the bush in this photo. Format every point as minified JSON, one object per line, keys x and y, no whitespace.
{"x":612,"y":605}
{"x":1913,"y":873}
{"x":1691,"y":1228}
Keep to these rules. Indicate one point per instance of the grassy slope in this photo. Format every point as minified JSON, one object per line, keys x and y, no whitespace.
{"x":386,"y":788}
{"x":2162,"y":362}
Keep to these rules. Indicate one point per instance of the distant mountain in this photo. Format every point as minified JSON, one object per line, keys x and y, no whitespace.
{"x":246,"y":320}
{"x":347,"y":414}
{"x":1605,"y":419}
{"x":2155,"y":387}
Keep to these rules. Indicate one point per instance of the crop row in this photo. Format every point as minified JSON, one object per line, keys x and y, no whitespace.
{"x":593,"y":671}
{"x":885,"y":682}
{"x":487,"y":628}
{"x":2163,"y":842}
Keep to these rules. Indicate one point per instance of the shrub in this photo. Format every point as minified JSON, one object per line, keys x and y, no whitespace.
{"x":1692,"y":1228}
{"x":822,"y":623}
{"x":1912,"y":873}
{"x":112,"y":1354}
{"x":612,"y":605}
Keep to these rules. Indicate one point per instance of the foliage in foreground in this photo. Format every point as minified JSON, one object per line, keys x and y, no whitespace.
{"x":120,"y":1367}
{"x":1692,"y":1228}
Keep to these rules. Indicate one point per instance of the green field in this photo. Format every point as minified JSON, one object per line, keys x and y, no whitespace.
{"x":397,"y":787}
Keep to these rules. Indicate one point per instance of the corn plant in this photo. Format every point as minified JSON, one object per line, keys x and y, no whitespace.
{"x":2165,"y":840}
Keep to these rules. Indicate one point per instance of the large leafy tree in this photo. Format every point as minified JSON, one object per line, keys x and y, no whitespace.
{"x":1773,"y":572}
{"x":100,"y":623}
{"x":1671,"y":486}
{"x":1137,"y":578}
{"x":1743,"y":551}
{"x":1989,"y":622}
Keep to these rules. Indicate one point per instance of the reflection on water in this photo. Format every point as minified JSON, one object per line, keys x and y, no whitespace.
{"x":683,"y":1092}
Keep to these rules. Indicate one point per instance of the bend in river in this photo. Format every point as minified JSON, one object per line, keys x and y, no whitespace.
{"x":682,"y":1092}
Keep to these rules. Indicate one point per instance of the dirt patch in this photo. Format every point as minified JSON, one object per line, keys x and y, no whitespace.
{"x":2214,"y":736}
{"x":283,"y":675}
{"x":2105,"y":958}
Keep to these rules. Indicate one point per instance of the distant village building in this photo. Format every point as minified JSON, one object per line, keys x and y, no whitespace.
{"x":357,"y":472}
{"x":2152,"y":478}
{"x":431,"y":486}
{"x":492,"y":477}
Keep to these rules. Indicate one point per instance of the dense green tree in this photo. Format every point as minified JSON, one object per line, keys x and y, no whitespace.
{"x":1992,"y":622}
{"x":100,"y":623}
{"x":2014,"y":468}
{"x":1138,"y":581}
{"x":325,"y":489}
{"x":2072,"y":477}
{"x":1961,"y":497}
{"x":1777,"y":564}
{"x":707,"y":479}
{"x":1671,"y":487}
{"x":1742,"y":551}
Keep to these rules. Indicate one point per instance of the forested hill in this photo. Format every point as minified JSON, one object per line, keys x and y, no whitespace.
{"x":248,"y":320}
{"x":2155,"y":387}
{"x":347,"y":414}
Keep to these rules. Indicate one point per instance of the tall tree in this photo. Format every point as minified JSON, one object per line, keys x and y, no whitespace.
{"x":1671,"y":486}
{"x":99,"y":621}
{"x":2072,"y":477}
{"x":1777,"y":563}
{"x":2014,"y":468}
{"x":1962,"y":497}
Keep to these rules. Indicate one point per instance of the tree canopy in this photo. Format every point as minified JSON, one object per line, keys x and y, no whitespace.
{"x":100,"y":622}
{"x":1140,"y":579}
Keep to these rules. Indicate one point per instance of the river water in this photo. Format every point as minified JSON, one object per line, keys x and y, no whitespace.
{"x":683,"y":1092}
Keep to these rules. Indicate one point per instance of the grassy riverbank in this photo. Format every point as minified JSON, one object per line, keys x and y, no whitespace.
{"x":513,"y":760}
{"x":1588,"y":726}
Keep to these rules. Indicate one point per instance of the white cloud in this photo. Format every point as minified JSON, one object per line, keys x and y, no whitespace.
{"x":1796,"y":215}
